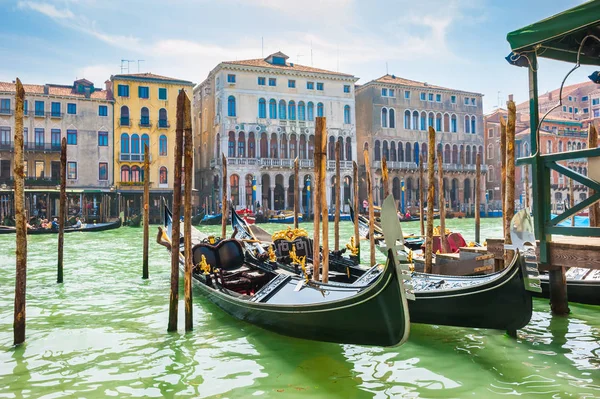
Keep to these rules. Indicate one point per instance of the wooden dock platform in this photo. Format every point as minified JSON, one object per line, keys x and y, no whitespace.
{"x":565,"y":251}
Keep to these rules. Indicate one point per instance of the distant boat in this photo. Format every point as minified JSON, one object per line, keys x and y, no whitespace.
{"x":86,"y":228}
{"x":196,"y":219}
{"x":134,"y":221}
{"x":284,"y":218}
{"x":211,"y":219}
{"x":344,"y":217}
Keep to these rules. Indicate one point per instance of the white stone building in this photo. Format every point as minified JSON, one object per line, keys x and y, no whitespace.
{"x":261,"y":114}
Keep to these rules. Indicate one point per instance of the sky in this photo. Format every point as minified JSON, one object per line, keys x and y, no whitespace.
{"x":460,"y":44}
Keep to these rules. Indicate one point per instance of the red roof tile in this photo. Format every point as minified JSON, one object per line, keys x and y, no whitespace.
{"x":148,"y":75}
{"x":392,"y":79}
{"x":53,"y":90}
{"x":259,"y":62}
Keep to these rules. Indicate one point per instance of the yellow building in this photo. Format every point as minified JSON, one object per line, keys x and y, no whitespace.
{"x":145,"y":107}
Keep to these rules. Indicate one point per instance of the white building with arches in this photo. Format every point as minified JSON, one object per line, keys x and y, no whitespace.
{"x":260,"y":114}
{"x":393,"y":118}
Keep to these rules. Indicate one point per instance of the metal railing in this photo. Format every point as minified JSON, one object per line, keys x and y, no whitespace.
{"x":124,"y":121}
{"x":32,"y":181}
{"x":163,"y":124}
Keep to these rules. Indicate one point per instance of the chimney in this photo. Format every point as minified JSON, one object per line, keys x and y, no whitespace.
{"x":88,"y":92}
{"x":550,"y":96}
{"x":109,"y":89}
{"x":46,"y":89}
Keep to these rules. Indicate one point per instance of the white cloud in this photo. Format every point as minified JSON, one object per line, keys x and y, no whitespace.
{"x":46,"y":9}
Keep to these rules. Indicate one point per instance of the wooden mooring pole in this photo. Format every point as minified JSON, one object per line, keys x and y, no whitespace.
{"x":20,"y":221}
{"x":594,"y":210}
{"x":319,"y":138}
{"x":503,"y":172}
{"x":478,"y":198}
{"x":146,"y":217}
{"x":224,"y":201}
{"x":371,"y":210}
{"x":324,"y":208}
{"x":571,"y":201}
{"x":175,"y":231}
{"x":385,"y":177}
{"x":188,"y":165}
{"x":336,"y":218}
{"x":442,"y":204}
{"x":509,"y":191}
{"x":421,"y":197}
{"x":62,"y":213}
{"x":356,"y":204}
{"x":296,"y":192}
{"x":430,"y":199}
{"x":526,"y":186}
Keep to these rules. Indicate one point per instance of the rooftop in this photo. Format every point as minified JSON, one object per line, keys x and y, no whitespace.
{"x":54,"y":90}
{"x":150,"y":76}
{"x":552,"y":96}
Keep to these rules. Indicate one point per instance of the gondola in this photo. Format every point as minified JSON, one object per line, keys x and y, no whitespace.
{"x":211,"y":219}
{"x":344,"y":217}
{"x":372,"y":311}
{"x":86,"y":228}
{"x":284,"y":218}
{"x":197,"y":219}
{"x":583,"y":286}
{"x":501,"y":300}
{"x":414,"y":243}
{"x":134,"y":221}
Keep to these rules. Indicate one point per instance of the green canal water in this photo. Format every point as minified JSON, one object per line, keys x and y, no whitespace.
{"x":103,"y":334}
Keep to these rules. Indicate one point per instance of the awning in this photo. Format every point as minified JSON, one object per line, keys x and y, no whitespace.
{"x":560,"y":36}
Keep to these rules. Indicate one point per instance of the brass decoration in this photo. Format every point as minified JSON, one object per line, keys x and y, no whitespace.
{"x":409,"y":257}
{"x":437,"y":229}
{"x":289,"y":234}
{"x":212,"y":240}
{"x":272,"y":256}
{"x":203,"y":265}
{"x":352,"y":247}
{"x":300,"y":260}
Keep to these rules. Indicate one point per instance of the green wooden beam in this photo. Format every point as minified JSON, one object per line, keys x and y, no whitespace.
{"x":574,"y":231}
{"x":565,"y":156}
{"x":525,"y":161}
{"x":575,"y":209}
{"x":586,"y":181}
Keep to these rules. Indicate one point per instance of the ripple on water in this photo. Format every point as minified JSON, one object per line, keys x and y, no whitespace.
{"x":103,"y":334}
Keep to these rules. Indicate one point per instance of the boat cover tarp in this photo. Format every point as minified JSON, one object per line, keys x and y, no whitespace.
{"x":559,"y":36}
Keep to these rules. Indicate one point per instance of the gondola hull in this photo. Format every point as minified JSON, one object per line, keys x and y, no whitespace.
{"x":578,"y":291}
{"x":285,"y":219}
{"x":135,"y":221}
{"x":211,"y":220}
{"x":86,"y":229}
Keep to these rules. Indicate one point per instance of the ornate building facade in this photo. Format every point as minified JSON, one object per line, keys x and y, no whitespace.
{"x":393,"y":117}
{"x":260,"y":114}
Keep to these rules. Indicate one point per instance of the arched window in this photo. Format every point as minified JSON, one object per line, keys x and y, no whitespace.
{"x":283,"y":146}
{"x":135,"y":144}
{"x":548,"y":147}
{"x":579,"y":145}
{"x":453,"y":124}
{"x":490,"y":151}
{"x":400,"y":152}
{"x":341,"y":143}
{"x":301,"y":111}
{"x":292,"y":145}
{"x":162,"y":176}
{"x":135,"y":174}
{"x":262,"y":108}
{"x":302,"y":146}
{"x":311,"y":111}
{"x":292,"y":111}
{"x":438,"y":122}
{"x":569,"y":146}
{"x":234,"y":184}
{"x":447,"y":154}
{"x":392,"y":118}
{"x":348,"y":149}
{"x":145,"y":142}
{"x":455,"y":154}
{"x":125,"y":173}
{"x":407,"y":119}
{"x":331,"y":148}
{"x":231,"y":145}
{"x":273,"y":145}
{"x":386,"y":150}
{"x":124,"y":115}
{"x":251,"y":145}
{"x":467,"y":124}
{"x":264,"y":146}
{"x":162,"y":146}
{"x":392,"y":151}
{"x":272,"y":109}
{"x":282,"y":110}
{"x":408,"y":153}
{"x":468,"y":155}
{"x":320,"y":111}
{"x":431,"y":120}
{"x":241,"y":145}
{"x":384,"y":117}
{"x":423,"y":121}
{"x":473,"y":125}
{"x":347,"y":115}
{"x":377,"y":150}
{"x":162,"y":118}
{"x":231,"y":106}
{"x":124,"y":143}
{"x":311,"y":146}
{"x":490,"y":173}
{"x":446,"y":123}
{"x":560,"y":146}
{"x":145,"y":117}
{"x":415,"y":120}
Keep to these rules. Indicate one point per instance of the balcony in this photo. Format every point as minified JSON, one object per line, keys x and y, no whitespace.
{"x":32,"y":181}
{"x":124,"y":121}
{"x":39,"y":113}
{"x":6,"y":111}
{"x":145,"y":122}
{"x":163,"y":124}
{"x":129,"y":157}
{"x":31,"y":147}
{"x":343,"y":165}
{"x":56,"y":115}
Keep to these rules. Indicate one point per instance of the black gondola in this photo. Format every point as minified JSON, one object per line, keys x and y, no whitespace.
{"x":197,"y":219}
{"x":501,"y":300}
{"x":134,"y":221}
{"x":87,"y":228}
{"x":583,"y":286}
{"x":372,"y":311}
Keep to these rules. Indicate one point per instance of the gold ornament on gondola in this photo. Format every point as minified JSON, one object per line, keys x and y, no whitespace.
{"x":212,"y":240}
{"x":352,"y":247}
{"x":437,"y":229}
{"x":203,"y":265}
{"x":300,"y":260}
{"x":272,"y":256}
{"x":289,"y":234}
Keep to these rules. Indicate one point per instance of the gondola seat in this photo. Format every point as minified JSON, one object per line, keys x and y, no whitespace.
{"x":303,"y":246}
{"x":227,"y":255}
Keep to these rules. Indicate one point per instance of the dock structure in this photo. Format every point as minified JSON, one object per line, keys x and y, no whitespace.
{"x":563,"y":37}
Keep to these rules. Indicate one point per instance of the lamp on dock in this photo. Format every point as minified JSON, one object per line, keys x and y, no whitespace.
{"x":517,"y":59}
{"x":595,"y":77}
